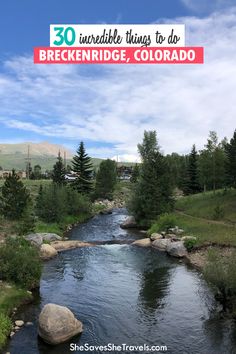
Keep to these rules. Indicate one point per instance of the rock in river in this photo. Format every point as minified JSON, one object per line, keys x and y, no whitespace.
{"x":156,"y":236}
{"x":161,"y":244}
{"x":176,"y":249}
{"x":144,"y":242}
{"x":47,"y":252}
{"x":57,"y":324}
{"x":129,"y":223}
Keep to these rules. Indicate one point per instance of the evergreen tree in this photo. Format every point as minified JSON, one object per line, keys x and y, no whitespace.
{"x":37,"y":171}
{"x":15,"y":197}
{"x":152,"y":194}
{"x":106,"y":179}
{"x":58,"y":174}
{"x":192,"y":185}
{"x":82,"y":165}
{"x":212,"y":164}
{"x":135,"y":174}
{"x":230,"y":150}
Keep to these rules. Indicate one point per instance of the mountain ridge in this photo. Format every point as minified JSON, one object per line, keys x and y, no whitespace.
{"x":35,"y":149}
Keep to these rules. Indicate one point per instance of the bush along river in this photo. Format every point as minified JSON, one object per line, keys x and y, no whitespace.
{"x":126,"y":294}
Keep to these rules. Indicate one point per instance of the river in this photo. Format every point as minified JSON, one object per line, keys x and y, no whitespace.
{"x":126,"y":294}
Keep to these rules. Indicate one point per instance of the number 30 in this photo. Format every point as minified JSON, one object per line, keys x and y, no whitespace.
{"x":65,"y":35}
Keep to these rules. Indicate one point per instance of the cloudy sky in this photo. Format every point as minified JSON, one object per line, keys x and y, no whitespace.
{"x":109,"y":106}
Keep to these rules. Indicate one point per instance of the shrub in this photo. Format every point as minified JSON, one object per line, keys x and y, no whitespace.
{"x":51,"y":203}
{"x":163,"y":223}
{"x":27,"y":223}
{"x":54,"y":203}
{"x":218,"y":212}
{"x":5,"y":328}
{"x":20,"y":263}
{"x":190,"y":243}
{"x":76,"y":203}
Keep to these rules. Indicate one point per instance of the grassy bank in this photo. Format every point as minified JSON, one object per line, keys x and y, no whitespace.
{"x":205,"y":231}
{"x":211,"y":217}
{"x":11,"y":297}
{"x":205,"y":205}
{"x":60,"y":228}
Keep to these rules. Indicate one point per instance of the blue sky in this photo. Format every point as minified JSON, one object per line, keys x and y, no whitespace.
{"x":109,"y":106}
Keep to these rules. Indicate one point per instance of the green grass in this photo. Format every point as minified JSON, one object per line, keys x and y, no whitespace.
{"x":207,"y":232}
{"x":204,"y":230}
{"x":198,"y":219}
{"x":60,"y":228}
{"x":203,"y":205}
{"x":10,"y":297}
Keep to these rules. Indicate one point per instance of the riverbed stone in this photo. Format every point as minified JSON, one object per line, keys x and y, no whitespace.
{"x":176,"y":249}
{"x":161,"y":244}
{"x":47,"y":251}
{"x":57,"y":324}
{"x":19,"y":323}
{"x":156,"y":236}
{"x":144,"y":242}
{"x":68,"y":245}
{"x":129,"y":223}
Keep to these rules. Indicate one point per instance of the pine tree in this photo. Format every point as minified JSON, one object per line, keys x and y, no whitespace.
{"x":230,"y":150}
{"x":152,"y":194}
{"x":58,"y":174}
{"x":15,"y":197}
{"x":191,"y":185}
{"x":212,"y":164}
{"x":82,"y":165}
{"x":106,"y":179}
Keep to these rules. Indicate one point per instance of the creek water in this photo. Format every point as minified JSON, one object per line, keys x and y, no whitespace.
{"x":126,"y":294}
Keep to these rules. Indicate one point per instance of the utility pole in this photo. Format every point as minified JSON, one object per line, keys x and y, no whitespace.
{"x":28,"y":163}
{"x":65,"y":159}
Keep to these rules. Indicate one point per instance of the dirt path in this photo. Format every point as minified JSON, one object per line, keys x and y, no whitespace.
{"x":209,"y":221}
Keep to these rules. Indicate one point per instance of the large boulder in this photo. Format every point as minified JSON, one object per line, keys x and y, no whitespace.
{"x":35,"y":239}
{"x":68,"y":245}
{"x":161,"y":244}
{"x":176,"y":249}
{"x":156,"y":236}
{"x":49,"y":237}
{"x":144,"y":242}
{"x":47,"y":252}
{"x":129,"y":223}
{"x":57,"y":324}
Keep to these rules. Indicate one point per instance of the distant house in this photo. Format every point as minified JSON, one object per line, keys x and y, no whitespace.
{"x":5,"y":173}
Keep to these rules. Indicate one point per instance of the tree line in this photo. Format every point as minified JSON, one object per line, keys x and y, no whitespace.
{"x":157,"y":176}
{"x":211,"y":168}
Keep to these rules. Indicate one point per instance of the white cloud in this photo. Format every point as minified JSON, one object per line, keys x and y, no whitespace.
{"x":114,"y":104}
{"x":206,"y":5}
